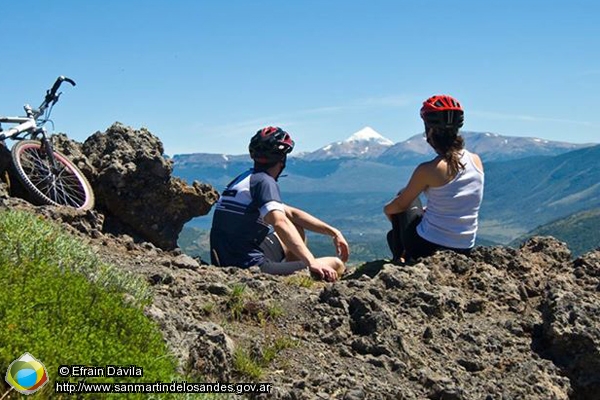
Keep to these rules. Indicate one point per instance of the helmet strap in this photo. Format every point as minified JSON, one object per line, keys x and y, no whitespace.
{"x":283,"y":163}
{"x":268,"y":167}
{"x":263,"y":167}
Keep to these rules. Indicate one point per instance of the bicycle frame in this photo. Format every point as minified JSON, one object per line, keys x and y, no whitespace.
{"x":24,"y":124}
{"x":32,"y":124}
{"x":46,"y":174}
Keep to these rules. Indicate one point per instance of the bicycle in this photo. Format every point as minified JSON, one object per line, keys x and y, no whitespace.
{"x":48,"y":175}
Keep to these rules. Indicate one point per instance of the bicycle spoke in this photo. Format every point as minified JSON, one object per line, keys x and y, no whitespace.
{"x":36,"y":167}
{"x":62,"y":187}
{"x":70,"y":184}
{"x":71,"y":194}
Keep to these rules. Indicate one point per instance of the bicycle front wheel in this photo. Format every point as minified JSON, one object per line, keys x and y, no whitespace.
{"x":63,"y":185}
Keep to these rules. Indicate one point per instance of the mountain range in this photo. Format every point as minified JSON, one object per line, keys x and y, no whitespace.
{"x":490,"y":146}
{"x":367,"y":144}
{"x":529,"y":181}
{"x":533,"y":191}
{"x":579,"y":230}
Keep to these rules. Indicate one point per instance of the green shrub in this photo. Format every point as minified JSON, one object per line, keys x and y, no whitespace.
{"x":60,"y":303}
{"x":27,"y":238}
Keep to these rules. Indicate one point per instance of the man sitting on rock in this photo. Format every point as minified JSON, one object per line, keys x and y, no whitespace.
{"x":251,"y":225}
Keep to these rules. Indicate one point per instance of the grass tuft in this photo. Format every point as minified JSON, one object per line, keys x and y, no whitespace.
{"x":246,"y":365}
{"x":251,"y":365}
{"x":236,"y":301}
{"x":300,"y":280}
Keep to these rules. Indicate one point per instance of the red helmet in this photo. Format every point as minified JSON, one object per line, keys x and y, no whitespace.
{"x":442,"y":111}
{"x":270,"y":144}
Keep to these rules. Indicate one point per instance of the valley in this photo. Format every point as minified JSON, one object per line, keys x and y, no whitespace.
{"x":543,"y":181}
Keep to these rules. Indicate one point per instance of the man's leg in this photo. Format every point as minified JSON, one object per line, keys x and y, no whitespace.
{"x":272,"y":248}
{"x":289,"y":256}
{"x":282,"y":268}
{"x":274,"y":253}
{"x":333,"y":262}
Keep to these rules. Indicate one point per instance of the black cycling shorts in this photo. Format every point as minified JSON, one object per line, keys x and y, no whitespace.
{"x":274,"y":262}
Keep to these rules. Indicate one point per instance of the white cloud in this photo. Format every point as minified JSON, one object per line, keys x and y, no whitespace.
{"x":528,"y":118}
{"x":292,"y":118}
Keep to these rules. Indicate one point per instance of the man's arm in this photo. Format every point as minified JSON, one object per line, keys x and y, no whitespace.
{"x":307,"y":221}
{"x":289,"y":235}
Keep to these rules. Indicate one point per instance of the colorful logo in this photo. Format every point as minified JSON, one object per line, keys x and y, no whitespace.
{"x":26,"y":374}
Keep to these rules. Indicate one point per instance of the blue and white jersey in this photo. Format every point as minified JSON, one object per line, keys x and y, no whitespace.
{"x":238,"y":228}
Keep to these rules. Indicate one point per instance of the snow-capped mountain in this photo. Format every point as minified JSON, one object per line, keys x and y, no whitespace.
{"x":368,"y":134}
{"x":366,"y":143}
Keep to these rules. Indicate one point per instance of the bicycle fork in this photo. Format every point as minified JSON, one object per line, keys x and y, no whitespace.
{"x":49,"y":151}
{"x":54,"y":169}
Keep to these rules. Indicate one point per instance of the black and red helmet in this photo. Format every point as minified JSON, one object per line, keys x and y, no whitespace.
{"x":442,"y":111}
{"x":270,"y":144}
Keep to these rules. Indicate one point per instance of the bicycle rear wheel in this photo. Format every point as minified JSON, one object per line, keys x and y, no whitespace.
{"x":64,"y":185}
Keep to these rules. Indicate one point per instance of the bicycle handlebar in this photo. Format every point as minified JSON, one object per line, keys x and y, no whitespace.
{"x":51,"y":93}
{"x":51,"y":96}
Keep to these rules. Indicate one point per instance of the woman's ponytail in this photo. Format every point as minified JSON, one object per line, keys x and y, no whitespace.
{"x":447,"y":142}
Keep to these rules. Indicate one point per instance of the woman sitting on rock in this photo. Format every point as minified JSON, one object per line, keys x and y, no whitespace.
{"x":452,"y":183}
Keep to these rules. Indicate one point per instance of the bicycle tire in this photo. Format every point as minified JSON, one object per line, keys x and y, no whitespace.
{"x":65,"y":187}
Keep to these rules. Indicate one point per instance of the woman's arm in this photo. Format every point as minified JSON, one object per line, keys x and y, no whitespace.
{"x":417,"y":184}
{"x":477,"y":161}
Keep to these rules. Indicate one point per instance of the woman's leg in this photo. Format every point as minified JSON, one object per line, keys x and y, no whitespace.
{"x":402,"y":226}
{"x":416,"y":246}
{"x":394,"y":239}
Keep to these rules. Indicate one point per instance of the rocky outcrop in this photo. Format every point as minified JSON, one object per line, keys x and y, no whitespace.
{"x":500,"y":323}
{"x":569,"y":334}
{"x":133,"y":184}
{"x":135,"y":188}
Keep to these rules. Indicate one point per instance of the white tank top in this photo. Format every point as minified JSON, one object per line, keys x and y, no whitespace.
{"x":452,"y":209}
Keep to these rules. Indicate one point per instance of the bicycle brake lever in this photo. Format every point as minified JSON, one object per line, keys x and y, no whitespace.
{"x":56,"y":96}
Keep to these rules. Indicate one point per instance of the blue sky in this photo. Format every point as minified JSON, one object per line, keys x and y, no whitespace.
{"x":204,"y":76}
